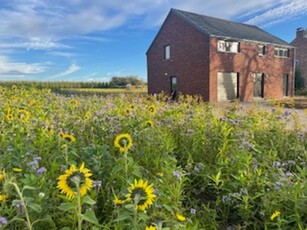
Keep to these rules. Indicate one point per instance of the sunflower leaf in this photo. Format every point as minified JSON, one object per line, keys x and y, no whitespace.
{"x":89,"y":200}
{"x":35,"y":207}
{"x":90,"y":216}
{"x":66,"y":206}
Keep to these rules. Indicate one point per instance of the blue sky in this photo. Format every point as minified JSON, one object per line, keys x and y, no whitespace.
{"x":93,"y":40}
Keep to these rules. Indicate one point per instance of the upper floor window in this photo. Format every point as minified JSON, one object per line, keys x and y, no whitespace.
{"x":167,"y":52}
{"x":281,"y":52}
{"x":228,"y":46}
{"x":261,"y":50}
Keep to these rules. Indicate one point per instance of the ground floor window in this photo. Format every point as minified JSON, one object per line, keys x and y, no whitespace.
{"x":259,"y":85}
{"x":285,"y":84}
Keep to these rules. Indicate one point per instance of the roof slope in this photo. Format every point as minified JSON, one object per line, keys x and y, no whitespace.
{"x":223,"y":28}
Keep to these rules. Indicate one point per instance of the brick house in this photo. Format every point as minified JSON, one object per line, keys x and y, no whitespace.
{"x":220,"y":60}
{"x":300,"y":42}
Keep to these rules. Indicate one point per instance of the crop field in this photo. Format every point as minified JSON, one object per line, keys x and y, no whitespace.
{"x":104,"y":91}
{"x":138,"y":162}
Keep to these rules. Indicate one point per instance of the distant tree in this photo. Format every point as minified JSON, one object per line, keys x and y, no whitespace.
{"x":120,"y":82}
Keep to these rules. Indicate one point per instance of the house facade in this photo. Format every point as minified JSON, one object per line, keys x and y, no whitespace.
{"x":217,"y":59}
{"x":300,"y":42}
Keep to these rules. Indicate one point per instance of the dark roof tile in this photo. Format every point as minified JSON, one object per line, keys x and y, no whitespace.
{"x":228,"y":29}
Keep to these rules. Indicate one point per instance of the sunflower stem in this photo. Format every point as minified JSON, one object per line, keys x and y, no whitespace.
{"x":28,"y":221}
{"x":76,"y":180}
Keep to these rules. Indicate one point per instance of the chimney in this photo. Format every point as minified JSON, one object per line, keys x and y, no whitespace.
{"x":300,"y":32}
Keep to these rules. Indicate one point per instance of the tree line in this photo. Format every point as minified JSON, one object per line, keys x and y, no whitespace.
{"x":115,"y":82}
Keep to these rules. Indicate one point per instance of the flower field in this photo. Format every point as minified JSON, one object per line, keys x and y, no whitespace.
{"x":126,"y":162}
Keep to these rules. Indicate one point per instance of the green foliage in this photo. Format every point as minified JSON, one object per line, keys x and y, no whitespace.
{"x":122,"y":82}
{"x":211,"y":167}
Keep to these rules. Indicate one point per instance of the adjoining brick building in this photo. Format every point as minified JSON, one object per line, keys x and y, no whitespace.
{"x":300,"y":42}
{"x":193,"y":54}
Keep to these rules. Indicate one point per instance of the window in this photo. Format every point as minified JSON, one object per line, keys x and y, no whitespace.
{"x":167,"y":52}
{"x":281,"y":52}
{"x":261,"y":50}
{"x":228,"y":46}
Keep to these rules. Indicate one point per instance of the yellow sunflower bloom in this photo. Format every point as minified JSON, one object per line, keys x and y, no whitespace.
{"x":17,"y":169}
{"x":87,"y":116}
{"x":9,"y":117}
{"x":2,"y":197}
{"x":73,"y":103}
{"x":151,"y":227}
{"x":118,"y":201}
{"x":148,"y":123}
{"x":23,"y":115}
{"x":67,"y":137}
{"x":275,"y":215}
{"x":152,"y":109}
{"x":141,"y":193}
{"x":123,"y":142}
{"x":68,"y":181}
{"x":180,"y":217}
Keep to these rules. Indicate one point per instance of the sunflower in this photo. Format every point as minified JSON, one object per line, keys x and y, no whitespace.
{"x":151,"y":227}
{"x":68,"y":181}
{"x":9,"y":117}
{"x":17,"y":169}
{"x":73,"y":103}
{"x":180,"y":217}
{"x":141,"y":193}
{"x":87,"y":115}
{"x":152,"y":109}
{"x":67,"y":137}
{"x":23,"y":115}
{"x":275,"y":215}
{"x":123,"y":142}
{"x":148,"y":123}
{"x":2,"y":197}
{"x":118,"y":201}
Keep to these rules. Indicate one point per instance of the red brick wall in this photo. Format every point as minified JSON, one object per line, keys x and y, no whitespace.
{"x":246,"y":63}
{"x":189,"y":59}
{"x":300,"y":42}
{"x":190,"y":55}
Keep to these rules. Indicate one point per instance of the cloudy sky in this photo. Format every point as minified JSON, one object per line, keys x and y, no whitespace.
{"x":93,"y":40}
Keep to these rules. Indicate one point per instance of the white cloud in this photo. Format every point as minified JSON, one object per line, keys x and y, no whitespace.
{"x":62,"y":54}
{"x":71,"y":69}
{"x":8,"y":67}
{"x":52,"y":20}
{"x":33,"y":43}
{"x":284,"y":11}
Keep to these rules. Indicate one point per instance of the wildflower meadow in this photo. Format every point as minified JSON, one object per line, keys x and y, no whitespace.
{"x":130,"y":162}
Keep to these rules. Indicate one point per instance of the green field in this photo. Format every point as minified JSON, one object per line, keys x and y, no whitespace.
{"x":106,"y":91}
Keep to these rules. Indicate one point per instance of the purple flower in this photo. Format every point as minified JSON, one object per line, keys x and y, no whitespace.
{"x":96,"y":183}
{"x":3,"y":220}
{"x":9,"y":148}
{"x":193,"y":211}
{"x":177,"y":174}
{"x":41,"y":171}
{"x":33,"y":164}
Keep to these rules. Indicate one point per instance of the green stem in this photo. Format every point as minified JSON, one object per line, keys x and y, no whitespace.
{"x":29,"y":224}
{"x":135,"y":216}
{"x":79,"y":212}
